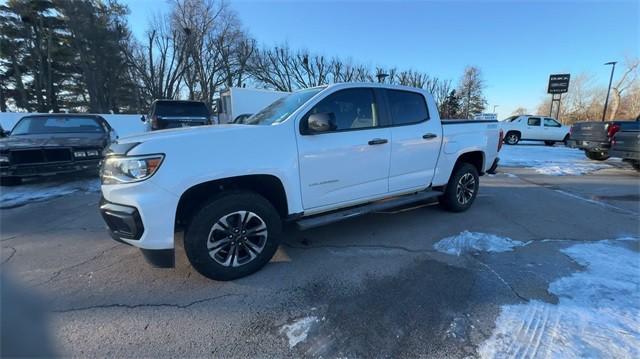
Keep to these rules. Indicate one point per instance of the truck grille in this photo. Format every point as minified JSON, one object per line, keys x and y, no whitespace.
{"x":22,"y":157}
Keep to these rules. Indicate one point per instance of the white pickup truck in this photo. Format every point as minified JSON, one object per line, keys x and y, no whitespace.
{"x":534,"y":128}
{"x":317,"y":156}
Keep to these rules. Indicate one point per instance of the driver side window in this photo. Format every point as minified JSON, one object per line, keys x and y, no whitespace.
{"x":349,"y":109}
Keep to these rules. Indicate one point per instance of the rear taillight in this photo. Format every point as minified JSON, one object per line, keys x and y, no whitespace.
{"x":612,"y":129}
{"x":154,"y":122}
{"x":500,"y":140}
{"x":570,"y":131}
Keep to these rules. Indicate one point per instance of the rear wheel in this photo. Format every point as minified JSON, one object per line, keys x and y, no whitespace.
{"x":596,"y":155}
{"x":10,"y":181}
{"x":462,"y":188}
{"x":512,"y":138}
{"x":549,"y":143}
{"x":636,"y":165}
{"x":234,"y":235}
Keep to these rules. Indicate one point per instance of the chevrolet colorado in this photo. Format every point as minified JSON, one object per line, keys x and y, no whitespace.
{"x":313,"y":157}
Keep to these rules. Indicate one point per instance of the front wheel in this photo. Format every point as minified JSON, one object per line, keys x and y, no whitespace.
{"x":596,"y":156}
{"x":462,"y":189}
{"x":636,"y":165}
{"x":234,"y":235}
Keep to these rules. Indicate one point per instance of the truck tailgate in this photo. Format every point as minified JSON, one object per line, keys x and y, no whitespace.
{"x":590,"y":131}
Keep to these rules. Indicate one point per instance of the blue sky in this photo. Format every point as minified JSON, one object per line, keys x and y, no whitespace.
{"x":517,"y":44}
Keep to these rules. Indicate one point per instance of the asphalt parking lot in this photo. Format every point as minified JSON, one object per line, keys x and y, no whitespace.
{"x":374,"y":286}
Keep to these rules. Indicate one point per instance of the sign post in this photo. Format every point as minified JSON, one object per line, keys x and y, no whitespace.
{"x":558,"y":84}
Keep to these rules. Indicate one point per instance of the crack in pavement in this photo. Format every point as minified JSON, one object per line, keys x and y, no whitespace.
{"x":149,"y":305}
{"x":57,"y":273}
{"x":360,"y":246}
{"x":513,"y":290}
{"x":10,"y":255}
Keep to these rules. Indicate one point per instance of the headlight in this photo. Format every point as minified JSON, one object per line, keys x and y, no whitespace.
{"x":129,"y":169}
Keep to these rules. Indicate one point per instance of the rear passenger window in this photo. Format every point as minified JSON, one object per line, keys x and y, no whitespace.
{"x":534,"y":121}
{"x":407,"y":107}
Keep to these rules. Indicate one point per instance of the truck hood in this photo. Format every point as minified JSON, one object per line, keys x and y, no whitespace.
{"x":53,"y":140}
{"x":185,"y":133}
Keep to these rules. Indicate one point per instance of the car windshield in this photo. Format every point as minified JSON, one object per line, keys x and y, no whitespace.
{"x":56,"y":124}
{"x":510,"y":119}
{"x":282,"y":108}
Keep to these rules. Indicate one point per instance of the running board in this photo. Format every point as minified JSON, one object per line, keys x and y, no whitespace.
{"x":324,"y":219}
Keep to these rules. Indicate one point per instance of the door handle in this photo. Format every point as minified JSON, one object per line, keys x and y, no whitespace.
{"x":378,"y":141}
{"x":429,"y":136}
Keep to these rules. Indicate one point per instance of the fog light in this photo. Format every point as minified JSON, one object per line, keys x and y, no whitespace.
{"x":93,"y":153}
{"x":79,"y":154}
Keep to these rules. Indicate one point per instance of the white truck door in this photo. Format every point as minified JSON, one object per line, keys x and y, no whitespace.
{"x":552,"y":130}
{"x":415,"y":140}
{"x":350,"y":162}
{"x":533,"y":129}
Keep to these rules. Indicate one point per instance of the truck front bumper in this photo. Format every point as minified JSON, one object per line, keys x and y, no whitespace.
{"x":142,"y":215}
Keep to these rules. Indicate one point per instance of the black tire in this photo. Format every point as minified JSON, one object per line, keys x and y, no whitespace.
{"x":229,"y":209}
{"x":451,"y":200}
{"x":566,"y":140}
{"x":512,"y":138}
{"x":549,"y":143}
{"x":596,"y":156}
{"x":635,"y":165}
{"x":10,"y":181}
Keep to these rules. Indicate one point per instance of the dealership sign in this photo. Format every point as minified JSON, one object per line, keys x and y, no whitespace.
{"x":558,"y":83}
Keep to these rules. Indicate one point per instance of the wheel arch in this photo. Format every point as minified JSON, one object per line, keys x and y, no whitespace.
{"x":267,"y":185}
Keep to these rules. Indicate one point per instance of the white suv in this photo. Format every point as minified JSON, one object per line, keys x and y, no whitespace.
{"x":534,"y":128}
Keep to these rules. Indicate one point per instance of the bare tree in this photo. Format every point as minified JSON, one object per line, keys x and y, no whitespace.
{"x":628,"y":78}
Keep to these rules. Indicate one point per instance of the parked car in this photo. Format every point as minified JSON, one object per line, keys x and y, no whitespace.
{"x":626,"y":145}
{"x":172,"y":113}
{"x":236,"y":101}
{"x":534,"y":128}
{"x":317,"y":156}
{"x":595,"y":137}
{"x":45,"y":145}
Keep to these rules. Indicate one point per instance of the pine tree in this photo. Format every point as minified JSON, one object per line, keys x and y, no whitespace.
{"x":451,"y":106}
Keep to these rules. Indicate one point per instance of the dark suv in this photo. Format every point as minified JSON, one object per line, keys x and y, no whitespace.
{"x":172,"y":114}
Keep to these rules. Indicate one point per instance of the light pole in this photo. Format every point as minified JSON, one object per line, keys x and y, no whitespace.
{"x":606,"y":101}
{"x":494,"y":108}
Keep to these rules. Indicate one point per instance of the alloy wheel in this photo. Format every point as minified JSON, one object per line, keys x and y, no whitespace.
{"x":466,"y":188}
{"x":237,"y":238}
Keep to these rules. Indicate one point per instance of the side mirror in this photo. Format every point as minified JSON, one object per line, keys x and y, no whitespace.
{"x":113,"y":135}
{"x":321,"y":122}
{"x":143,"y":118}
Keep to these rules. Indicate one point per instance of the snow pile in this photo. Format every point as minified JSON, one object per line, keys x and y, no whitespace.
{"x":475,"y":242}
{"x":39,"y":191}
{"x":598,"y":314}
{"x":554,"y":161}
{"x":297,"y":331}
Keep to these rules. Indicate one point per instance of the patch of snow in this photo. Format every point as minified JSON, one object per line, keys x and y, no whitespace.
{"x":475,"y":242}
{"x":550,"y":160}
{"x":39,"y":191}
{"x":597,"y":314}
{"x":297,"y":331}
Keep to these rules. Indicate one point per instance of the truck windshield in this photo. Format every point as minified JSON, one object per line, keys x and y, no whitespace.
{"x":281,"y":108}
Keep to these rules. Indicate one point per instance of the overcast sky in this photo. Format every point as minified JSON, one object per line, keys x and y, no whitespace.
{"x":517,"y":44}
